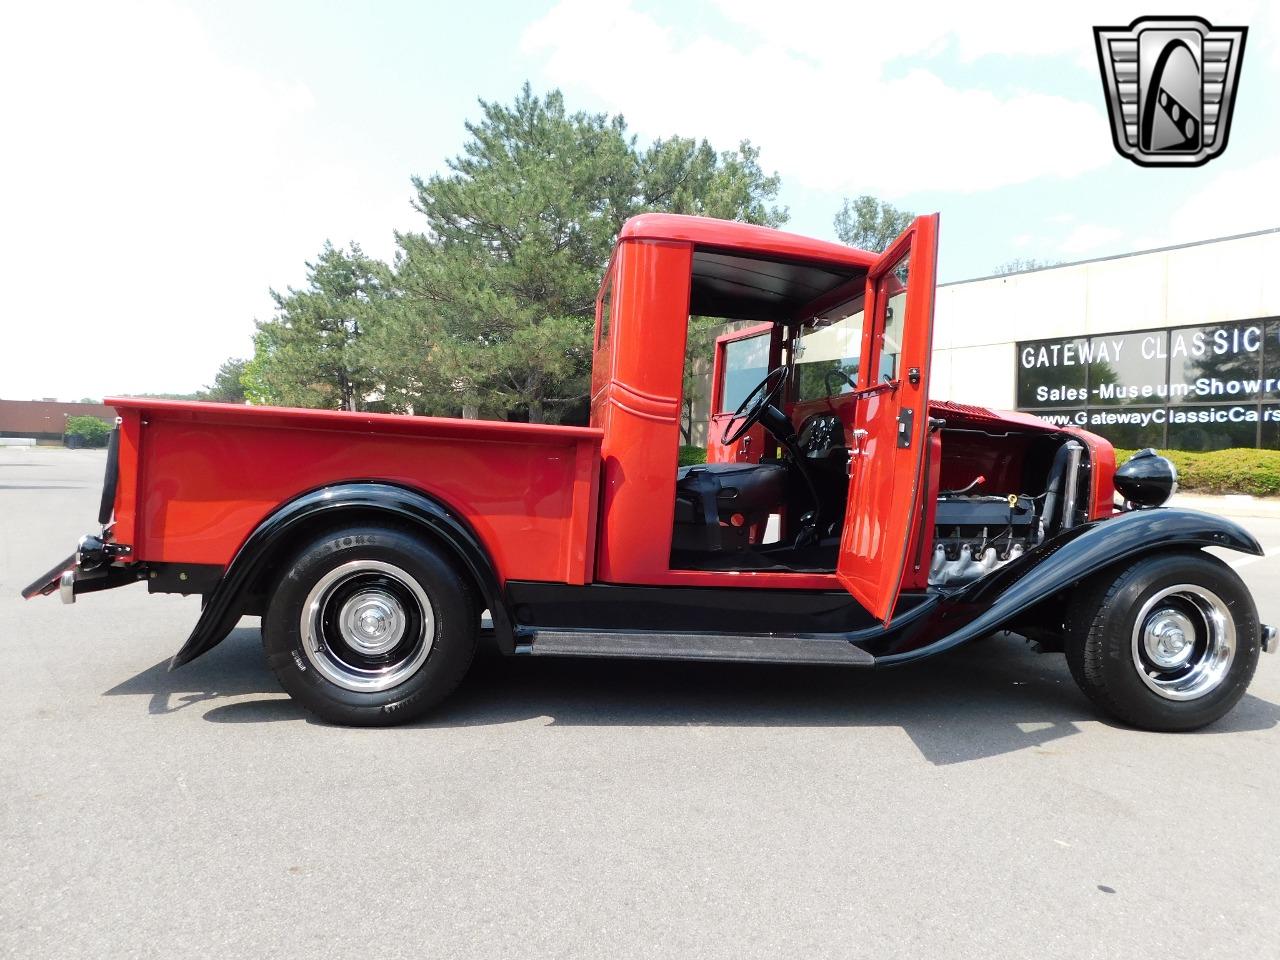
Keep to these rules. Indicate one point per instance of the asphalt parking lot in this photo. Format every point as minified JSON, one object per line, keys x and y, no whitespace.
{"x":974,"y":805}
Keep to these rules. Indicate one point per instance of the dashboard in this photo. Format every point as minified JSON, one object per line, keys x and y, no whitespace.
{"x":820,"y":434}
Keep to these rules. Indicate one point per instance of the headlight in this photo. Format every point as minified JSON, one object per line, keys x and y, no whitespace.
{"x":1147,"y":479}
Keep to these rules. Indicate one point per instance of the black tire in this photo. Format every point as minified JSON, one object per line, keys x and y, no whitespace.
{"x":1108,"y":656}
{"x":359,"y":578}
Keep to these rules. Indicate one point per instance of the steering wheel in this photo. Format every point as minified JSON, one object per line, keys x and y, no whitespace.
{"x":753,"y":406}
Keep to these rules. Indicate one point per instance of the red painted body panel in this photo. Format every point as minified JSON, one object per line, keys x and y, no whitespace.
{"x":638,"y":410}
{"x":886,"y":487}
{"x":728,"y":235}
{"x":201,"y":476}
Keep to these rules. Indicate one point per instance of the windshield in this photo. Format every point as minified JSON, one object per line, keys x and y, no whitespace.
{"x":827,"y":352}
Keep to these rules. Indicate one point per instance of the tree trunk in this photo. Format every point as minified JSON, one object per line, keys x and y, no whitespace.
{"x":347,"y":391}
{"x":470,"y":411}
{"x":536,"y":413}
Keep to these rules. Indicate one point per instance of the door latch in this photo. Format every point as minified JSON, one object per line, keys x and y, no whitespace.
{"x":906,"y":423}
{"x":859,"y":441}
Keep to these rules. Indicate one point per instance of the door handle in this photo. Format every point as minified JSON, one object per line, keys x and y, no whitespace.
{"x":855,"y":451}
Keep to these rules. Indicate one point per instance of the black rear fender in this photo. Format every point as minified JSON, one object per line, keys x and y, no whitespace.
{"x":252,"y":571}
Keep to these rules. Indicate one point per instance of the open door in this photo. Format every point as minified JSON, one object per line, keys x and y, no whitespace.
{"x":742,"y":358}
{"x":891,"y":419}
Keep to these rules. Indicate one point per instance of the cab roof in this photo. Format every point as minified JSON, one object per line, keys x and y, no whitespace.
{"x":731,"y":235}
{"x":746,"y":272}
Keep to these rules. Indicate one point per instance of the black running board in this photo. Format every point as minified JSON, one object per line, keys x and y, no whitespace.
{"x":650,"y":645}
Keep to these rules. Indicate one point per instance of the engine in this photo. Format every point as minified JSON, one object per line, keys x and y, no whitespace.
{"x":975,"y":535}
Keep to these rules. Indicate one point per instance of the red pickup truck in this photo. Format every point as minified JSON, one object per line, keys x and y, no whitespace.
{"x":841,"y":518}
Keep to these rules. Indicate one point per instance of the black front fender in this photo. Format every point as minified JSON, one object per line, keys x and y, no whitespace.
{"x":363,"y":500}
{"x":991,"y":603}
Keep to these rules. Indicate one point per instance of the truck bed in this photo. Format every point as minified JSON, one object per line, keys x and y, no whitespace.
{"x":195,"y":479}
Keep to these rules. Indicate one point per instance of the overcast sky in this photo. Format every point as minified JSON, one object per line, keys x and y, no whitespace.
{"x":163,"y":164}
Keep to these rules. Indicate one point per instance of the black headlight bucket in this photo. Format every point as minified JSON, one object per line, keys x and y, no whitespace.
{"x":1146,"y":479}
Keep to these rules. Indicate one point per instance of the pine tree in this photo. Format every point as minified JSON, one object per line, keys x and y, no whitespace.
{"x":310,"y":354}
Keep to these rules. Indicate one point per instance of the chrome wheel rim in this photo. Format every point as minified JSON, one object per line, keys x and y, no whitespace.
{"x":367,"y":626}
{"x":1184,"y":640}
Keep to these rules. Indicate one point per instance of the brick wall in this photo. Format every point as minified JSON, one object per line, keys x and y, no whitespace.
{"x":46,"y":419}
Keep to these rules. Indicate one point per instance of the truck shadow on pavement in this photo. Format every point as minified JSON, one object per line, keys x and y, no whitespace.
{"x":990,"y":698}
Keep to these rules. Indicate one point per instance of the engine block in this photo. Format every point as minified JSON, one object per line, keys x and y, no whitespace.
{"x":975,"y":535}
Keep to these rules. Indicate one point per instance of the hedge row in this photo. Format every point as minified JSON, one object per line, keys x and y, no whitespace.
{"x":1238,"y":470}
{"x":692,"y":455}
{"x":86,"y":432}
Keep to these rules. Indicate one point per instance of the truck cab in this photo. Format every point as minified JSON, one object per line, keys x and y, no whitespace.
{"x":841,"y":516}
{"x":825,"y":458}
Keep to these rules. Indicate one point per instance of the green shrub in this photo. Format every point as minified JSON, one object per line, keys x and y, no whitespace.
{"x":692,"y":455}
{"x":1238,"y":470}
{"x":86,"y":432}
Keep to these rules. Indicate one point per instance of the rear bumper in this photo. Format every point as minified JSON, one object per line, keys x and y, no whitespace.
{"x":96,"y":565}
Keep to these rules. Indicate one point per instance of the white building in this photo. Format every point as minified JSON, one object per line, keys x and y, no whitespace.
{"x":1177,"y":347}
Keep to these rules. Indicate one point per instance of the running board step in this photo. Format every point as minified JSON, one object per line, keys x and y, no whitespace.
{"x":648,"y":645}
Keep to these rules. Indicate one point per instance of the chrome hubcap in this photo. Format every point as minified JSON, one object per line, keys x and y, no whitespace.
{"x":1169,"y":638}
{"x":1183,"y":642}
{"x":373,"y":621}
{"x":367,"y":626}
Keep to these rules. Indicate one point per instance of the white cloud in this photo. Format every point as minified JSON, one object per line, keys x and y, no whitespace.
{"x":151,"y":191}
{"x":821,"y":102}
{"x":877,"y":34}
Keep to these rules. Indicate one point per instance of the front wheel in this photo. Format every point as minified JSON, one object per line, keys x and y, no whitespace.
{"x":370,"y":626}
{"x":1170,"y":643}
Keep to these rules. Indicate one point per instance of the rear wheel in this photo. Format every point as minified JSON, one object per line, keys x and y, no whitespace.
{"x":1170,"y":643}
{"x":370,"y":626}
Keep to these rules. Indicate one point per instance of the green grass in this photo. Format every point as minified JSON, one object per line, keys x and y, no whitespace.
{"x":1238,"y":470}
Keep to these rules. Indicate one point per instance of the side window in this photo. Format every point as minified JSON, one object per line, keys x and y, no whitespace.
{"x":894,"y":285}
{"x":746,"y":362}
{"x":604,"y":305}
